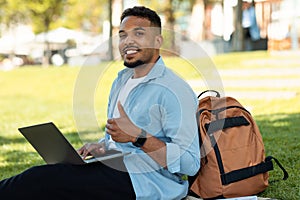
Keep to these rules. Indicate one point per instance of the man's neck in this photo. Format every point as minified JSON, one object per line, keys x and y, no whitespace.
{"x":143,"y":70}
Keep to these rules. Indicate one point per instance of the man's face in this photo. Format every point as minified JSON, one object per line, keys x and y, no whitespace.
{"x":138,"y":41}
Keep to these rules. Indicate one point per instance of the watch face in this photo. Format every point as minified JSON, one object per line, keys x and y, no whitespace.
{"x":140,"y":139}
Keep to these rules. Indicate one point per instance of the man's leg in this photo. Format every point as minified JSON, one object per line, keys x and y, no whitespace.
{"x":61,"y":181}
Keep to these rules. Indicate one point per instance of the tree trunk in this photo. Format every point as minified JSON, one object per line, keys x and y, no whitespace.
{"x":110,"y":41}
{"x":47,"y":52}
{"x":238,"y":38}
{"x":170,"y":20}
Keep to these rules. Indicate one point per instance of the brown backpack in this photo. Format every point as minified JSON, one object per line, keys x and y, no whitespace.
{"x":233,"y":162}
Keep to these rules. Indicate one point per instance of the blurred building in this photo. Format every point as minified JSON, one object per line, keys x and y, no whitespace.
{"x":278,"y":22}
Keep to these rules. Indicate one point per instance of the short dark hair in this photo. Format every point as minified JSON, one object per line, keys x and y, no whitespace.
{"x":143,"y":12}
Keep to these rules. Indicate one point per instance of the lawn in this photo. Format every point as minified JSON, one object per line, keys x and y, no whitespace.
{"x":267,"y":84}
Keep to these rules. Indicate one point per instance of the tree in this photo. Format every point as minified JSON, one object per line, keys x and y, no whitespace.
{"x":42,"y":14}
{"x":171,"y":10}
{"x":85,"y":15}
{"x":238,"y":38}
{"x":79,"y":15}
{"x":12,"y":12}
{"x":110,"y":42}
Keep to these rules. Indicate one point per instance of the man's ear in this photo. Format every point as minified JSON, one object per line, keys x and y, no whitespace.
{"x":158,"y":41}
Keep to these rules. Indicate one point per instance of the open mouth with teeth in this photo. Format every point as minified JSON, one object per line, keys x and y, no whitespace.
{"x":129,"y":52}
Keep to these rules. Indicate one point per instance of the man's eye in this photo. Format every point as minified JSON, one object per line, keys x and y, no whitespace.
{"x":122,"y":35}
{"x":139,"y":33}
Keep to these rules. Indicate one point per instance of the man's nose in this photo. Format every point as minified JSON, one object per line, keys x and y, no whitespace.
{"x":129,"y":39}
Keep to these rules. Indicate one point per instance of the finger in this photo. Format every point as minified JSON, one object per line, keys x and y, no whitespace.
{"x":110,"y":127}
{"x":81,"y":149}
{"x":85,"y":154}
{"x":111,"y":124}
{"x":121,"y":110}
{"x":96,"y":150}
{"x":110,"y":132}
{"x":89,"y":150}
{"x":82,"y":152}
{"x":110,"y":121}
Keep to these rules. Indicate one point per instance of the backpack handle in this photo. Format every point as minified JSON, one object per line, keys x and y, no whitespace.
{"x":217,"y":93}
{"x":285,"y":173}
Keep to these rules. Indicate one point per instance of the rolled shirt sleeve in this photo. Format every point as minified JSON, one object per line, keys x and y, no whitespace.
{"x":183,"y":163}
{"x":183,"y":152}
{"x":179,"y":127}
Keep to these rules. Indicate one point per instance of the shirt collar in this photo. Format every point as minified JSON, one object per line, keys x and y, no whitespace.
{"x":157,"y":70}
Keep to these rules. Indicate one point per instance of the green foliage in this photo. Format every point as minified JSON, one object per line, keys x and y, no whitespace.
{"x":44,"y":13}
{"x":13,"y":12}
{"x":85,"y":15}
{"x":31,"y":95}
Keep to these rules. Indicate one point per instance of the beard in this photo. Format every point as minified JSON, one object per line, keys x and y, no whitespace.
{"x":134,"y":64}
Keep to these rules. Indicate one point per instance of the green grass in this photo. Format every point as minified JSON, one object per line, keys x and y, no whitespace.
{"x":31,"y":95}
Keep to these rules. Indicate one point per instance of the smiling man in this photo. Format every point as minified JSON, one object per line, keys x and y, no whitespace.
{"x":140,"y":41}
{"x":151,"y":115}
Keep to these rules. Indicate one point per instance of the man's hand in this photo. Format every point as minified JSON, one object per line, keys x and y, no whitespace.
{"x":122,"y":129}
{"x":92,"y":149}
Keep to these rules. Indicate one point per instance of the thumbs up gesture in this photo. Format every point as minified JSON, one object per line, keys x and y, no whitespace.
{"x":122,"y":129}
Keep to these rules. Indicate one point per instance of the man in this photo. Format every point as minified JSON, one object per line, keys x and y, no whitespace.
{"x":151,"y":114}
{"x":251,"y":30}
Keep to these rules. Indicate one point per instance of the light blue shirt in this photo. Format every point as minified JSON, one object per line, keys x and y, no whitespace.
{"x":165,"y":106}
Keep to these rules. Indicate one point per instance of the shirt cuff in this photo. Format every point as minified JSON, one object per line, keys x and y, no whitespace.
{"x":173,"y":157}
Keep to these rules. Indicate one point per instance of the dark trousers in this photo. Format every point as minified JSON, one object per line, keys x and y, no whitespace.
{"x":63,"y":181}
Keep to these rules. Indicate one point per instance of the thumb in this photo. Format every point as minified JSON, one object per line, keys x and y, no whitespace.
{"x":121,"y":110}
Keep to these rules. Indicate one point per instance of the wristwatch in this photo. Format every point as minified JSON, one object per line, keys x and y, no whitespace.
{"x":140,"y":139}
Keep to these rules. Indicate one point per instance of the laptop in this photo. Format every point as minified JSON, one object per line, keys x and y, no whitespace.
{"x":54,"y":148}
